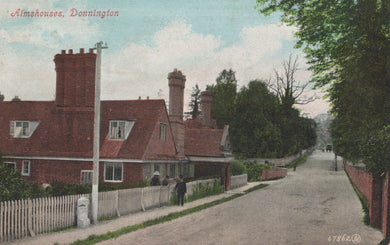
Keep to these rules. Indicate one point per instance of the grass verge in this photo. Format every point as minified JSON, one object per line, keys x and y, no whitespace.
{"x":297,"y":161}
{"x":363,"y":200}
{"x":110,"y":235}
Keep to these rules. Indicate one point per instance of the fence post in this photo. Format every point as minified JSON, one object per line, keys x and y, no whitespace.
{"x":142,"y":199}
{"x":30,"y":229}
{"x":117,"y":203}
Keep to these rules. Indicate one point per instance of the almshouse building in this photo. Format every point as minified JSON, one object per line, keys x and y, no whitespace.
{"x":52,"y":141}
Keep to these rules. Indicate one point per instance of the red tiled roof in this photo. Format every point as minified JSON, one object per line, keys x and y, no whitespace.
{"x":203,"y":142}
{"x":65,"y":134}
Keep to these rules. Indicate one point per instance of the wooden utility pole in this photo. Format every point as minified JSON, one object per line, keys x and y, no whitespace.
{"x":96,"y":134}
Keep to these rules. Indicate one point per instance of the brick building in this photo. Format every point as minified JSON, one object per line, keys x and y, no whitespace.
{"x":52,"y":141}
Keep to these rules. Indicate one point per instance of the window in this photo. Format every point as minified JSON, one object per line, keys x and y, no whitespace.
{"x":22,"y":129}
{"x":159,"y":168}
{"x":113,"y":172}
{"x":163,"y":131}
{"x":173,"y":171}
{"x":86,"y":177}
{"x":120,"y":130}
{"x":11,"y":165}
{"x":26,"y":164}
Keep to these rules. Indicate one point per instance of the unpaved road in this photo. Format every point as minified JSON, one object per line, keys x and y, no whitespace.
{"x":313,"y":205}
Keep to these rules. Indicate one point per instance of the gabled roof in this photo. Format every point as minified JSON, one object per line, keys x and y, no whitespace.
{"x":204,"y":142}
{"x":70,"y":134}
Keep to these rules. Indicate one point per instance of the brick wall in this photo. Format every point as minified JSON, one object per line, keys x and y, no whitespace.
{"x":361,"y":179}
{"x":274,"y":173}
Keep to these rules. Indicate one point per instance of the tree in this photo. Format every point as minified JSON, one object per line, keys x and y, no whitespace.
{"x":289,"y":90}
{"x":347,"y":44}
{"x":195,"y":101}
{"x":225,"y":91}
{"x":1,"y":97}
{"x":253,"y":130}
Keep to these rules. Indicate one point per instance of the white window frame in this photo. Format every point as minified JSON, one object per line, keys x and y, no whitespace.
{"x":25,"y":130}
{"x":81,"y":177}
{"x":24,"y":162}
{"x":11,"y":163}
{"x":112,"y":164}
{"x":163,"y":131}
{"x":125,"y":130}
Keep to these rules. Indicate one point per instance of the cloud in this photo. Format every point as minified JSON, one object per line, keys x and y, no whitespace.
{"x":201,"y":58}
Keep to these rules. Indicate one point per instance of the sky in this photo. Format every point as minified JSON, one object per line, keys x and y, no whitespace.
{"x":146,"y":40}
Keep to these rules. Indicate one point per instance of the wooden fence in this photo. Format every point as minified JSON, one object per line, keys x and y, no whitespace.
{"x":23,"y":218}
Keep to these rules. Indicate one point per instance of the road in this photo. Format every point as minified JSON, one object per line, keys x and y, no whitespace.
{"x":314,"y":205}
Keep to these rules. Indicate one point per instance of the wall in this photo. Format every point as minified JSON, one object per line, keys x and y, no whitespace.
{"x":274,"y":173}
{"x":360,"y":178}
{"x":238,"y":181}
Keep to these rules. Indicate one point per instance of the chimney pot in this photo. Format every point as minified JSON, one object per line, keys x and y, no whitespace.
{"x":70,"y":51}
{"x":147,"y":97}
{"x":91,"y":50}
{"x":139,"y":97}
{"x":81,"y":51}
{"x":63,"y":51}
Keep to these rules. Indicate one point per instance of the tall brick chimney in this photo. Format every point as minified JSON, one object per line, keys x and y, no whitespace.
{"x":176,"y":82}
{"x":206,"y":104}
{"x":75,"y":88}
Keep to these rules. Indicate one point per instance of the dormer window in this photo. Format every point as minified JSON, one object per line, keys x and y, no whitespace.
{"x":23,"y":129}
{"x":163,"y":131}
{"x":120,"y":130}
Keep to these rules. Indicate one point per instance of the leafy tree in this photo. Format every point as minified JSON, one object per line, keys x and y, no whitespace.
{"x":253,"y":131}
{"x":225,"y":91}
{"x":195,"y":101}
{"x":347,"y":44}
{"x":1,"y":97}
{"x":376,"y":151}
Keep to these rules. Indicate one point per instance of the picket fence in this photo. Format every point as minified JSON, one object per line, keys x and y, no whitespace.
{"x":23,"y":218}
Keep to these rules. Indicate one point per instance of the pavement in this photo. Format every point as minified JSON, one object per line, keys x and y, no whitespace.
{"x":72,"y":235}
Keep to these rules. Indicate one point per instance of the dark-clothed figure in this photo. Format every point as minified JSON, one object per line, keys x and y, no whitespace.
{"x":166,"y":180}
{"x":155,"y":179}
{"x":181,"y":190}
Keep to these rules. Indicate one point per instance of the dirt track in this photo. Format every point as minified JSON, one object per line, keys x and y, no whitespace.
{"x":314,"y":205}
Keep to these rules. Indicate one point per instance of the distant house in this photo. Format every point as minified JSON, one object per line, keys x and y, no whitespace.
{"x":52,"y":141}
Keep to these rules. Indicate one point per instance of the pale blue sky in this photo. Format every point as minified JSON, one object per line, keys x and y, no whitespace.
{"x":146,"y":41}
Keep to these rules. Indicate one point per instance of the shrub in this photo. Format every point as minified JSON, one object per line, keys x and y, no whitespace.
{"x":204,"y":190}
{"x":255,"y":170}
{"x":62,"y":189}
{"x":238,"y":168}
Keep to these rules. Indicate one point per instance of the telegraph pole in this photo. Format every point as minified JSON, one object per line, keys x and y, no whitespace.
{"x":96,"y":133}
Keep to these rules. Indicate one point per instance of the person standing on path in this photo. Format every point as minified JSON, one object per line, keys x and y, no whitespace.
{"x":156,"y":179}
{"x":181,"y":190}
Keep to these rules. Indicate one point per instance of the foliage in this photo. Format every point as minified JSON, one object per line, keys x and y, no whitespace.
{"x":237,"y":168}
{"x":376,"y":151}
{"x":118,"y":186}
{"x":297,"y":162}
{"x":62,"y":189}
{"x":203,"y":190}
{"x":255,"y":170}
{"x":347,"y":44}
{"x":1,"y":97}
{"x":195,"y":102}
{"x":254,"y":132}
{"x":14,"y":187}
{"x":225,"y":91}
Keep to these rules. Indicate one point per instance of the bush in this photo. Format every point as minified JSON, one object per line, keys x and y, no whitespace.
{"x":14,"y":187}
{"x":255,"y":170}
{"x":238,"y":168}
{"x":204,"y":190}
{"x":62,"y":189}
